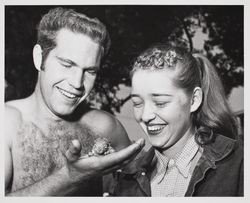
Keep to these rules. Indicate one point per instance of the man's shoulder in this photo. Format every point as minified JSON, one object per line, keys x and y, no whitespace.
{"x":18,"y":108}
{"x":12,"y":113}
{"x":12,"y":122}
{"x":106,"y":125}
{"x":17,"y":105}
{"x":101,"y":120}
{"x":98,"y":116}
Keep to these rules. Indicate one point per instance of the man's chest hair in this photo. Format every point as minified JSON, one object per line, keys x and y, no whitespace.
{"x":39,"y":154}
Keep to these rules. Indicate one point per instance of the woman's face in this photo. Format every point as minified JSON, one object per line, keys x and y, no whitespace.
{"x":162,"y":109}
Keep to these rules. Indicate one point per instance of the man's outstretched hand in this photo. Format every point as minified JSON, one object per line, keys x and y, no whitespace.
{"x":81,"y":167}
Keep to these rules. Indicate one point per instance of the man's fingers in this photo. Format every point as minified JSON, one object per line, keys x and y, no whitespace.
{"x":125,"y":155}
{"x":110,"y":160}
{"x":75,"y":147}
{"x":74,"y":151}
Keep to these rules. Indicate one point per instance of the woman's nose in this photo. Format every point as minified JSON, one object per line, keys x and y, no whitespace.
{"x":147,"y":113}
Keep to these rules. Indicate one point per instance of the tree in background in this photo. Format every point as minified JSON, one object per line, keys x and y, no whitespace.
{"x":132,"y":29}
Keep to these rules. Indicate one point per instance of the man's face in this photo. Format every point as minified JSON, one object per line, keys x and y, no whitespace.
{"x":69,"y":72}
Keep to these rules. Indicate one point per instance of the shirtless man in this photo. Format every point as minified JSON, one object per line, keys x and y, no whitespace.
{"x":47,"y":133}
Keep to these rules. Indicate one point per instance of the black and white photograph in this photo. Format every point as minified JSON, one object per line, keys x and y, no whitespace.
{"x":124,"y":100}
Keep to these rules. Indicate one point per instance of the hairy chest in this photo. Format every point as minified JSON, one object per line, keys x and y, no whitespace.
{"x":36,"y":154}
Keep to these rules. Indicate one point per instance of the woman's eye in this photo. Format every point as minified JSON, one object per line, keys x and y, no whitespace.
{"x":161,"y":104}
{"x":67,"y":65}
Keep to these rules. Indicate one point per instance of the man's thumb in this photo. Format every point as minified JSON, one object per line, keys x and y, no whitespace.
{"x":74,"y":151}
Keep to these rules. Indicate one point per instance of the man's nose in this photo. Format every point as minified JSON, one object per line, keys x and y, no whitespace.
{"x":148,"y":113}
{"x":77,"y":78}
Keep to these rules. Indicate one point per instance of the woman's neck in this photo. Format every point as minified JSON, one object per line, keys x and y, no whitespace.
{"x":178,"y":146}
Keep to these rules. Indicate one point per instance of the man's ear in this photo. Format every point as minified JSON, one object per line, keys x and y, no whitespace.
{"x":37,"y":56}
{"x":196,"y":99}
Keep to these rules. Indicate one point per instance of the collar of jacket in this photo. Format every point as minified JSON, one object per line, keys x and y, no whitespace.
{"x":212,"y":153}
{"x":216,"y":151}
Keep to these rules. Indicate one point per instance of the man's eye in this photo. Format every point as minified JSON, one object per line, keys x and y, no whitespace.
{"x":137,"y":104}
{"x":92,"y":72}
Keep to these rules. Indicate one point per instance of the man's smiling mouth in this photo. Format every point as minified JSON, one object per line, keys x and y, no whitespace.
{"x":68,"y":94}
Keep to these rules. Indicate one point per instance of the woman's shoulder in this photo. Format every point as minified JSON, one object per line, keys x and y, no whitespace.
{"x":223,"y":147}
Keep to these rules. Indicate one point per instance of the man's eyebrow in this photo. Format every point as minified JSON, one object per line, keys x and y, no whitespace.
{"x":74,"y":64}
{"x":66,"y":60}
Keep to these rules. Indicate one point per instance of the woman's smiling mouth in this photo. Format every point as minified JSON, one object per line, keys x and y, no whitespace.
{"x":155,"y":129}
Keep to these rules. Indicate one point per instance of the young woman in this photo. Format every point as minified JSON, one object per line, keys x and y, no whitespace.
{"x":179,"y":102}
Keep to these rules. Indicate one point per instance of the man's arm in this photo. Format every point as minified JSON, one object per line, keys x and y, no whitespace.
{"x":53,"y":185}
{"x":11,"y":124}
{"x":65,"y":180}
{"x":7,"y":167}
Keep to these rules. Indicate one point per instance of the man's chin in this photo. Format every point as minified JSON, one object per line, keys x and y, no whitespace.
{"x":64,"y":112}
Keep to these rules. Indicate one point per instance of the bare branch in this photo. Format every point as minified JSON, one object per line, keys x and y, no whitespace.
{"x":185,"y":28}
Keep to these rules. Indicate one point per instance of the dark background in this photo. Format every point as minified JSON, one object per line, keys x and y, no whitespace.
{"x":132,"y":29}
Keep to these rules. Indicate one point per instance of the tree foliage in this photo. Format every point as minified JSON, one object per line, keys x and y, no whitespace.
{"x":132,"y":29}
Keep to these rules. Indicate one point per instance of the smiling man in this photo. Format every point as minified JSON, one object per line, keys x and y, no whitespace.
{"x":48,"y":133}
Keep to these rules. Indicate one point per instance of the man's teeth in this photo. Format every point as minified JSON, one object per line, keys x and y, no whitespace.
{"x":155,"y":128}
{"x":67,"y":94}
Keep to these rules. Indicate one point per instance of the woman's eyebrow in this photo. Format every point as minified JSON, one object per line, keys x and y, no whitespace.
{"x":134,"y":95}
{"x":153,"y":95}
{"x":159,"y":95}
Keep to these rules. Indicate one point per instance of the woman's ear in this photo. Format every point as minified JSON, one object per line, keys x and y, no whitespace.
{"x":37,"y":56}
{"x":196,"y":99}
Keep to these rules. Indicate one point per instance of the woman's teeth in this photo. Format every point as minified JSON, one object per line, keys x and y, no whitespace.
{"x":155,"y":129}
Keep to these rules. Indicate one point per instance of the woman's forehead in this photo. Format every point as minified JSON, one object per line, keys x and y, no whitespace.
{"x":155,"y":74}
{"x":159,"y":80}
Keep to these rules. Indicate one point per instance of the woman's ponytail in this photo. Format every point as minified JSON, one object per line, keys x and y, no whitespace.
{"x":214,"y":115}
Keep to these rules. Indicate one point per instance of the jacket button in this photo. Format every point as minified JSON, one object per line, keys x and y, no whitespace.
{"x":143,"y":173}
{"x":171,"y":162}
